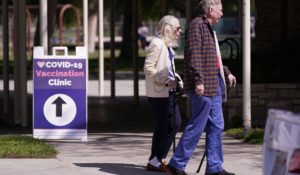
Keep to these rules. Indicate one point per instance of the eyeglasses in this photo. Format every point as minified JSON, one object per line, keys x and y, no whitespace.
{"x":176,"y":28}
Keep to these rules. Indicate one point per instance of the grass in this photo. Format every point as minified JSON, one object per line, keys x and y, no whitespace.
{"x":25,"y":147}
{"x":256,"y":136}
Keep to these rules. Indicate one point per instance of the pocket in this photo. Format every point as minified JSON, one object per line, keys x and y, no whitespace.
{"x":158,"y":87}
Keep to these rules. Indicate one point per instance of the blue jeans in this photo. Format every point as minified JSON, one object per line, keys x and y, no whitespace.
{"x":206,"y":111}
{"x":166,"y":125}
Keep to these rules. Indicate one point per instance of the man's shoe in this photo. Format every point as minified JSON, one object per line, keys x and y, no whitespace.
{"x":173,"y":171}
{"x":154,"y":168}
{"x":223,"y":172}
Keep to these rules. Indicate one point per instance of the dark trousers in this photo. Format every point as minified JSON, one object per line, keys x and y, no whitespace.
{"x":165,"y":127}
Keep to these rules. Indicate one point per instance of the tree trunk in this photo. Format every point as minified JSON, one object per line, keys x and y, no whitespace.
{"x":51,"y":22}
{"x":92,"y":23}
{"x":92,"y":30}
{"x":126,"y":47}
{"x":36,"y":41}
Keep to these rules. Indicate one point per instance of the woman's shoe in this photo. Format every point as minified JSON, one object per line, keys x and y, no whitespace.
{"x":155,"y":165}
{"x":160,"y":168}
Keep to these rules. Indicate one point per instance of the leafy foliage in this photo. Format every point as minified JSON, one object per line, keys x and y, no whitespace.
{"x":149,"y":10}
{"x":236,"y":133}
{"x":256,"y":136}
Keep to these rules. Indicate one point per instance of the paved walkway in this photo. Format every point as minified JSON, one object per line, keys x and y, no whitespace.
{"x":112,"y":150}
{"x":115,"y":153}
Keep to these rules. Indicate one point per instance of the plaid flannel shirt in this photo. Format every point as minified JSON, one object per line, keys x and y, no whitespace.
{"x":200,"y":58}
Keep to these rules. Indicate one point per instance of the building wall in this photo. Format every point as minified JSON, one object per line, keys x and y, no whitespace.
{"x":263,"y":97}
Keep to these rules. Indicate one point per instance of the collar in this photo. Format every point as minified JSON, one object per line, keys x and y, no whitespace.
{"x":205,"y":20}
{"x":171,"y":52}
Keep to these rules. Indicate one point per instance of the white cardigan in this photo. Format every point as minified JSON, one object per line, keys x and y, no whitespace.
{"x":156,"y":69}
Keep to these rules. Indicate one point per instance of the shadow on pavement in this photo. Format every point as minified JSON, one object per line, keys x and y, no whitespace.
{"x":118,"y":168}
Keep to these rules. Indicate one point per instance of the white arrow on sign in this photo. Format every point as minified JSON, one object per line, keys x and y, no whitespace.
{"x":60,"y":109}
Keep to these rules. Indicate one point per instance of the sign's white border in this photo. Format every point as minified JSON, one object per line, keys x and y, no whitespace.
{"x":65,"y":134}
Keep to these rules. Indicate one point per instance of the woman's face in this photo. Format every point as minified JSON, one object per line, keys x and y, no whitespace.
{"x":176,"y":30}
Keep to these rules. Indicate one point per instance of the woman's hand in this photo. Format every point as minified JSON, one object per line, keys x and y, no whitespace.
{"x":172,"y":84}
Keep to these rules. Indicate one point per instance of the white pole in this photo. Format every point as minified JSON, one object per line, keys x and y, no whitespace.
{"x":85,"y":23}
{"x":101,"y":48}
{"x":246,"y":66}
{"x":85,"y":30}
{"x":43,"y":25}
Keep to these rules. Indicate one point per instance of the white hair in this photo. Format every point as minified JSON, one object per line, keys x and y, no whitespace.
{"x":166,"y":29}
{"x":205,"y":5}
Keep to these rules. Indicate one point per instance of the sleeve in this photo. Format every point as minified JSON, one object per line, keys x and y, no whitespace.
{"x":194,"y":41}
{"x":151,"y":60}
{"x":179,"y":80}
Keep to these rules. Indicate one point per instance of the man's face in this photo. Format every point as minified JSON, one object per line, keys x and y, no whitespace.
{"x":216,"y":13}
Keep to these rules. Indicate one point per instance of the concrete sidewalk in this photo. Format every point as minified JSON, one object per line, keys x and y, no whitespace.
{"x":117,"y":153}
{"x":121,"y":147}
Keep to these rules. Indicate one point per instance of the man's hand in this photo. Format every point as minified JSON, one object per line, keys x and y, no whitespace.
{"x":199,"y":90}
{"x":232,"y":80}
{"x":172,"y":84}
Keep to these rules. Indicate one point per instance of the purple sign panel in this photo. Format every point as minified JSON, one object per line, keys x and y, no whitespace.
{"x":59,"y":93}
{"x":59,"y":74}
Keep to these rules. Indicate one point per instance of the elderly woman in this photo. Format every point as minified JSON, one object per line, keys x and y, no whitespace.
{"x":159,"y":70}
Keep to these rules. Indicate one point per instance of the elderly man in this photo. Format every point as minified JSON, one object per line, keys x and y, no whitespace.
{"x":204,"y":82}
